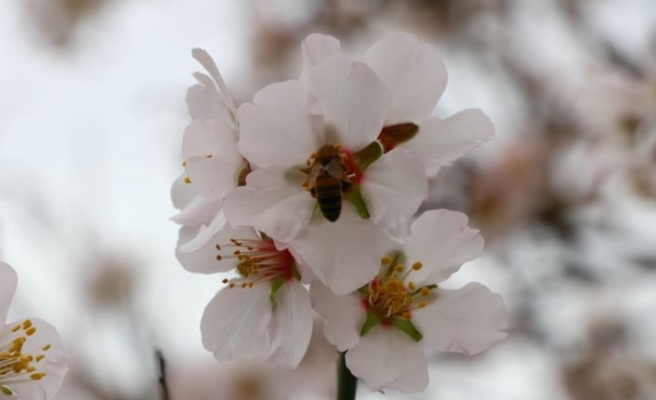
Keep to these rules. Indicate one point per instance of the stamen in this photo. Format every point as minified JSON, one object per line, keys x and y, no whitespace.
{"x":392,"y":296}
{"x":258,"y":260}
{"x":16,"y":364}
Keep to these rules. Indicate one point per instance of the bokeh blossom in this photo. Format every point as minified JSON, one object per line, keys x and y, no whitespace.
{"x":32,"y":359}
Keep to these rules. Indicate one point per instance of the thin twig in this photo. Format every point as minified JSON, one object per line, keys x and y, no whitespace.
{"x":161,"y":368}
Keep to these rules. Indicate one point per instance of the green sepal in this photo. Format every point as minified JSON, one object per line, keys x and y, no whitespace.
{"x":275,"y":286}
{"x":365,"y":157}
{"x":355,"y":197}
{"x":372,"y":321}
{"x":297,"y":274}
{"x":406,"y":326}
{"x":5,"y":390}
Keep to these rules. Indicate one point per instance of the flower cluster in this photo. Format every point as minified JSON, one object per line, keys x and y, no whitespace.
{"x":32,"y":359}
{"x":316,"y":183}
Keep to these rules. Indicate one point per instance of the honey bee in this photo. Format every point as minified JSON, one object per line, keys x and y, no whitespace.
{"x":328,"y":181}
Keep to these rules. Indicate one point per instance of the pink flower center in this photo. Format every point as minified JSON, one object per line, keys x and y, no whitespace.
{"x":390,"y":295}
{"x":259,"y":261}
{"x":16,"y":365}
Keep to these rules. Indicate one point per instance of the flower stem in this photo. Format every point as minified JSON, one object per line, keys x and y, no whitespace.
{"x":347,"y":384}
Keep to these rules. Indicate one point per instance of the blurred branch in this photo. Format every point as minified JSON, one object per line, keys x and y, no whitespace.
{"x":161,"y":367}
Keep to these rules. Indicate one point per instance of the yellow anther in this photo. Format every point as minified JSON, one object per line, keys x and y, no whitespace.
{"x":422,"y":304}
{"x":27,"y":324}
{"x":184,"y":163}
{"x":15,"y":328}
{"x":37,"y":376}
{"x":30,"y":369}
{"x":399,"y":268}
{"x":407,"y":315}
{"x":46,"y":347}
{"x":386,"y":260}
{"x":187,"y":180}
{"x":231,"y":285}
{"x":412,"y":286}
{"x":40,"y":357}
{"x":417,"y":266}
{"x":425,"y":291}
{"x":225,"y":280}
{"x":30,"y":331}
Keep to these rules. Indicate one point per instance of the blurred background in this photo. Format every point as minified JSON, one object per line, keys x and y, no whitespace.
{"x":91,"y":118}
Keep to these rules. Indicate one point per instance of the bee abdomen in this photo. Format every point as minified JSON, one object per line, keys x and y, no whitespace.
{"x":328,"y":192}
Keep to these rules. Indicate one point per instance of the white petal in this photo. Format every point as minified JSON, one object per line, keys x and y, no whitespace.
{"x":394,"y":187}
{"x":277,"y":129}
{"x":387,"y":357}
{"x":199,"y":252}
{"x":213,"y":161}
{"x":273,"y":201}
{"x":181,"y":193}
{"x":54,"y":364}
{"x":466,"y":320}
{"x":222,"y":90}
{"x":198,"y":211}
{"x":441,"y":141}
{"x":291,"y":325}
{"x":203,"y":259}
{"x":414,"y":75}
{"x":234,"y":324}
{"x":8,"y":282}
{"x":351,"y":98}
{"x":442,"y":242}
{"x":344,"y":315}
{"x":204,"y":234}
{"x":315,"y":48}
{"x":344,"y":254}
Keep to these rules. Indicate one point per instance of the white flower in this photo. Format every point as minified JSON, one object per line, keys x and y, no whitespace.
{"x":414,"y":79}
{"x":264,"y":313}
{"x":32,"y":359}
{"x":288,"y":142}
{"x":384,"y":323}
{"x":213,"y":164}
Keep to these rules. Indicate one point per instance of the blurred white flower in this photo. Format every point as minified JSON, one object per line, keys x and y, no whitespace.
{"x":32,"y":359}
{"x":382,"y":324}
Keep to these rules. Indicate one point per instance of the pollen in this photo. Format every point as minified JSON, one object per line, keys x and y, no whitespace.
{"x":392,"y":296}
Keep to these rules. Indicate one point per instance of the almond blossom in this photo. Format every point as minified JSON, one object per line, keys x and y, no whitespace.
{"x":383,"y":325}
{"x":282,"y":136}
{"x":414,"y":78}
{"x":213,"y":165}
{"x":263,"y":313}
{"x":32,"y":359}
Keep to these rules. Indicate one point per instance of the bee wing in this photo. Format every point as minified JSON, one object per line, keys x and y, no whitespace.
{"x":314,"y":173}
{"x":335,"y":168}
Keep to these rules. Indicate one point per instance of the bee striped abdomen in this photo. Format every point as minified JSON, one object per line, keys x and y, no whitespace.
{"x":328,"y":192}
